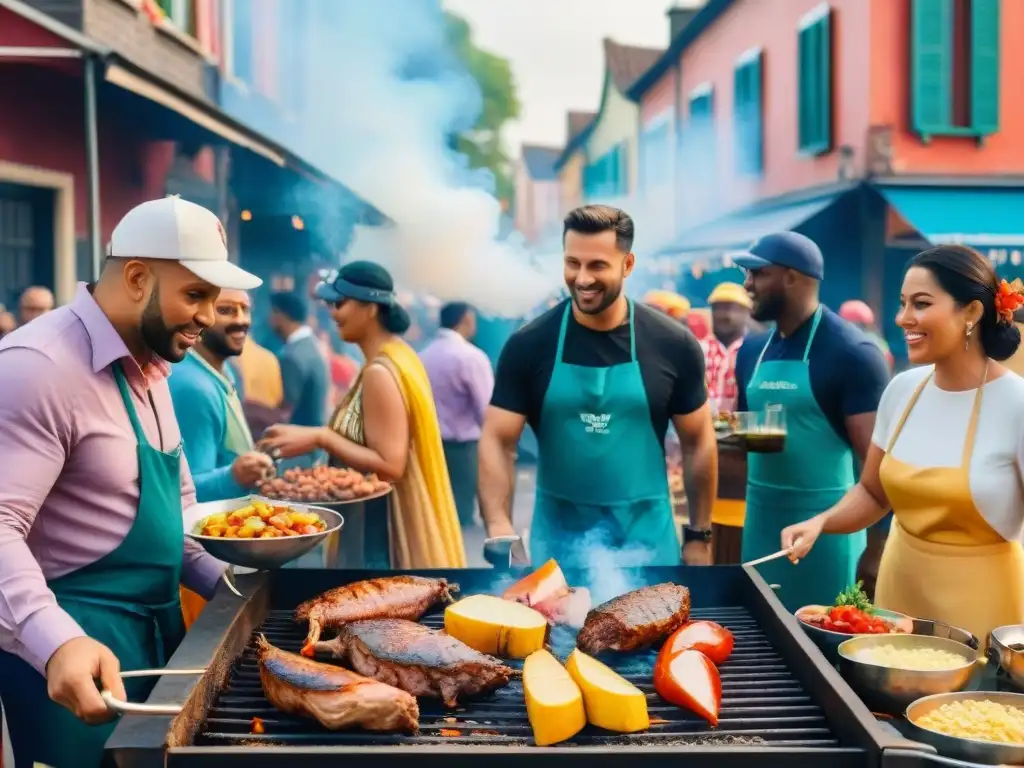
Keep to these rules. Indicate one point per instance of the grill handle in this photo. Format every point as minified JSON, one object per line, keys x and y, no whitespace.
{"x":128,"y":708}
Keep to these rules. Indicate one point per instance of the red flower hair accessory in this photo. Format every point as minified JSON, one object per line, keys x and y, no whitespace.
{"x":1009,"y":298}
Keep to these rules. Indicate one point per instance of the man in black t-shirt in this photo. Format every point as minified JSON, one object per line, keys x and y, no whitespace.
{"x":598,"y":378}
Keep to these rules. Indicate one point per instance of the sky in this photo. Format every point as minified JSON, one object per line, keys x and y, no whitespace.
{"x":554,"y":47}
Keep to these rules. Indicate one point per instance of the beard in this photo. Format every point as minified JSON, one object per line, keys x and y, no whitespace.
{"x":157,"y":335}
{"x":769,"y":308}
{"x":216,"y":340}
{"x":605,"y":298}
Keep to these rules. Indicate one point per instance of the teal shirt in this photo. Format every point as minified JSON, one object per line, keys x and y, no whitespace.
{"x":200,"y":405}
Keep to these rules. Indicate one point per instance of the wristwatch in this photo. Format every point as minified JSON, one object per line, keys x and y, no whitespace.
{"x":696,"y":534}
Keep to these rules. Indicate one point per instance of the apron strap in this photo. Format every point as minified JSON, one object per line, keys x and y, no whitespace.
{"x":632,"y":333}
{"x":807,"y":348}
{"x":561,"y":332}
{"x":129,"y":406}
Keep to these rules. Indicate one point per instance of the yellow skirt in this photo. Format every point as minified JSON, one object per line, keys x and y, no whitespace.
{"x":729,"y":512}
{"x":977,"y":588}
{"x":191,"y":606}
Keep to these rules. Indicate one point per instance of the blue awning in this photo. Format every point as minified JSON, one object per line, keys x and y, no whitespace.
{"x":974,"y":216}
{"x":739,"y":231}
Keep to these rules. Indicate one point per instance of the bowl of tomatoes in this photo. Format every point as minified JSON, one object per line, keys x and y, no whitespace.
{"x":850,"y":615}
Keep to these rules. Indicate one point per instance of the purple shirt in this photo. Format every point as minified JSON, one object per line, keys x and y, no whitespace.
{"x":462,"y":380}
{"x":69,"y":475}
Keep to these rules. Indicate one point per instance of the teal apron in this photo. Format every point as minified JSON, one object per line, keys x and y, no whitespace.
{"x":813,"y":472}
{"x":127,"y":600}
{"x":601,"y":480}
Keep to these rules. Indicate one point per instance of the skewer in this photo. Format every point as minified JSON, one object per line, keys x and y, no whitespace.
{"x":768,"y":558}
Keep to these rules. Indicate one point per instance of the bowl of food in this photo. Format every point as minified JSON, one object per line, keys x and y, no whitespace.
{"x":1006,"y":648}
{"x":260,"y":533}
{"x":889,"y":672}
{"x":324,"y":486}
{"x":976,"y":726}
{"x":851,"y":614}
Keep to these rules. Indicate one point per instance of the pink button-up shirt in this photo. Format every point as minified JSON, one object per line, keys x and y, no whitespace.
{"x":69,"y":469}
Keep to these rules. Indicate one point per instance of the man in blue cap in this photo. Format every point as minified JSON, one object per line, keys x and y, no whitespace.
{"x":828,"y":377}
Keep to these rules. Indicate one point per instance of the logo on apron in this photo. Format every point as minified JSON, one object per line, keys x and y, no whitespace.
{"x":597,"y":423}
{"x":778,"y":385}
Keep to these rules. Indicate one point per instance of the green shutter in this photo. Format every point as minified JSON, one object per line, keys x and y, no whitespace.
{"x":814,"y":100}
{"x":803,"y":87}
{"x":931,"y":66}
{"x":823,"y":124}
{"x":985,"y":66}
{"x":755,"y":115}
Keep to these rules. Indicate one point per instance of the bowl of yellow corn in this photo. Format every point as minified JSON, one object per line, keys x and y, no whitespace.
{"x":984,"y":727}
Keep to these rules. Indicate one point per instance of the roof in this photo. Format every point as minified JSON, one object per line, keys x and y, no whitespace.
{"x":626,"y":63}
{"x":576,"y":123}
{"x":703,"y":19}
{"x":540,"y":161}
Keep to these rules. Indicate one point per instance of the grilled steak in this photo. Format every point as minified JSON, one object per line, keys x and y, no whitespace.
{"x":417,"y":659}
{"x":334,"y":697}
{"x":392,"y":597}
{"x":636,"y":619}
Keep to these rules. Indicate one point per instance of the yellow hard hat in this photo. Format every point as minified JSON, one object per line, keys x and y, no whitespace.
{"x":730,"y":293}
{"x":670,"y":303}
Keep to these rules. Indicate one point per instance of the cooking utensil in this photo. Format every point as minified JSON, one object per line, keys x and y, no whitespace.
{"x":261,"y":554}
{"x":892,"y":689}
{"x":128,"y":708}
{"x":1000,"y":652}
{"x":828,"y":641}
{"x":971,"y":750}
{"x":767,"y":558}
{"x":495,"y":547}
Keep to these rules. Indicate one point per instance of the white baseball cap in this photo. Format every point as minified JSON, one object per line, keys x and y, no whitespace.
{"x":173,"y":229}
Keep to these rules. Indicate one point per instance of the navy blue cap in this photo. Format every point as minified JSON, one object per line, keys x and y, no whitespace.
{"x":784,"y":249}
{"x":334,"y":288}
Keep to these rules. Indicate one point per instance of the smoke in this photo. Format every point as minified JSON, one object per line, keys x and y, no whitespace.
{"x":387,"y":94}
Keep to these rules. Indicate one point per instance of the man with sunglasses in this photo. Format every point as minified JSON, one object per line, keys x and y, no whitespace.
{"x":828,"y":377}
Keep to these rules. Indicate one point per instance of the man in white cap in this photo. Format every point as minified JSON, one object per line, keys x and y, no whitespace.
{"x":93,"y":483}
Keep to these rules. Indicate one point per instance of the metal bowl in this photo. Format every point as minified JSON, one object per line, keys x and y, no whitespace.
{"x":971,"y":750}
{"x":891,"y":689}
{"x":262,"y":554}
{"x":999,"y":651}
{"x":828,"y":642}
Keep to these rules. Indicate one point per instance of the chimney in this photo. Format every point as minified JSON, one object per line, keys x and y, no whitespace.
{"x":679,"y":16}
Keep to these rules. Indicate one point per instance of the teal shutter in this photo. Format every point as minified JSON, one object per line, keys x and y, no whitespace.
{"x":623,"y":168}
{"x":985,"y":66}
{"x":756,"y":116}
{"x":931,"y":66}
{"x":823,"y":125}
{"x":814,"y":100}
{"x":748,"y":117}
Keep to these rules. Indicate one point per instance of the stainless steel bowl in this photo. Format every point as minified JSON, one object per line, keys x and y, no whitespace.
{"x":262,"y":554}
{"x":890,"y":689}
{"x":828,"y":641}
{"x":999,"y":651}
{"x":971,"y":750}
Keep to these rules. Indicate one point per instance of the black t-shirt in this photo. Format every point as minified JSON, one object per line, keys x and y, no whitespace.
{"x":671,"y":362}
{"x":847,"y":370}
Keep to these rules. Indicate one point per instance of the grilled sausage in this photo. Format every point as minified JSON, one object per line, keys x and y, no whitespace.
{"x":334,"y":697}
{"x":636,"y":619}
{"x":394,"y":597}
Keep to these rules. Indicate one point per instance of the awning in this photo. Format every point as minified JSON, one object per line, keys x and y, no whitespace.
{"x":124,"y":78}
{"x":738,"y":231}
{"x":974,"y":216}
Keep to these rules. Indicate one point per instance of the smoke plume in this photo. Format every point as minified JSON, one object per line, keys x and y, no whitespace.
{"x":388,"y":96}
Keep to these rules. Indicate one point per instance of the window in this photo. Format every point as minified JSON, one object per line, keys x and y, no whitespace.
{"x":239,"y":35}
{"x":954,"y":67}
{"x":181,"y":13}
{"x":814,"y":102}
{"x":608,"y":176}
{"x":698,"y":141}
{"x":656,"y":154}
{"x":748,"y":114}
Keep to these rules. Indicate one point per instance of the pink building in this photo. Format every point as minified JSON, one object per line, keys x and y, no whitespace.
{"x":537,"y":207}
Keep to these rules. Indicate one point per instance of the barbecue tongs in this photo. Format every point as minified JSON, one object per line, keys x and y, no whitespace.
{"x":128,"y":708}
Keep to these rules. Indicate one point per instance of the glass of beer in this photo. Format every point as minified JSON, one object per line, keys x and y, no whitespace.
{"x":769,"y":436}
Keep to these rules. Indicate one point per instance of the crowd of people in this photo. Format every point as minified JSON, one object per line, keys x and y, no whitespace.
{"x":146,"y":394}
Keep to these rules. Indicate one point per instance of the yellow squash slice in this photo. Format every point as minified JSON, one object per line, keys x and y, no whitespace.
{"x":611,"y":701}
{"x":499,"y":627}
{"x":554,"y":703}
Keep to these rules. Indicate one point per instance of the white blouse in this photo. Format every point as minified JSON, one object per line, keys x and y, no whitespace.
{"x":934,"y":434}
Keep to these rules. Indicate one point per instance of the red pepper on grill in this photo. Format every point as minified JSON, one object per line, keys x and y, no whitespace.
{"x":712,"y":639}
{"x":688,"y":679}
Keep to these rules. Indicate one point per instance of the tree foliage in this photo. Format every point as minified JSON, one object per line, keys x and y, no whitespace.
{"x":482,"y":144}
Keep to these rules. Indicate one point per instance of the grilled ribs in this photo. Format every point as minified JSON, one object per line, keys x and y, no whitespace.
{"x":393,"y":597}
{"x":334,"y":697}
{"x":636,"y":619}
{"x":419,"y":660}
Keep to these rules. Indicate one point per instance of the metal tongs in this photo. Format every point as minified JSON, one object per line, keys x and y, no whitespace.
{"x":128,"y":708}
{"x":494,"y":547}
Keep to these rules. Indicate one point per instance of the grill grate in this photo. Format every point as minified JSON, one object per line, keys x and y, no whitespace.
{"x":762,"y":703}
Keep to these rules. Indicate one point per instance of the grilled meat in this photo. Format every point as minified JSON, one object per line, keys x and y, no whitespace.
{"x":636,"y":619}
{"x":334,"y":697}
{"x":417,"y":659}
{"x":393,"y":597}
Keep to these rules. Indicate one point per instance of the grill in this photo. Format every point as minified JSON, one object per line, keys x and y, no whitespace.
{"x":781,"y":702}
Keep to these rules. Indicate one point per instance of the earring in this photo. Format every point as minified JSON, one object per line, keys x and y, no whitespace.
{"x":967,"y":338}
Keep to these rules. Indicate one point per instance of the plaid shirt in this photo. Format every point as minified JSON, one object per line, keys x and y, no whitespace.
{"x":720,"y":373}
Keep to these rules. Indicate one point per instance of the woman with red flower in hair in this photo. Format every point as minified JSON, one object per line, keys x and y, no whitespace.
{"x":947,"y":453}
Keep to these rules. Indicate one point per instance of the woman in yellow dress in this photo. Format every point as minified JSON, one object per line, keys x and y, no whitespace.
{"x":947,"y":454}
{"x":387,"y":425}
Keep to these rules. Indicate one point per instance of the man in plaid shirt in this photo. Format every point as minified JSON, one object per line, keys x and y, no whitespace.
{"x":730,"y":317}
